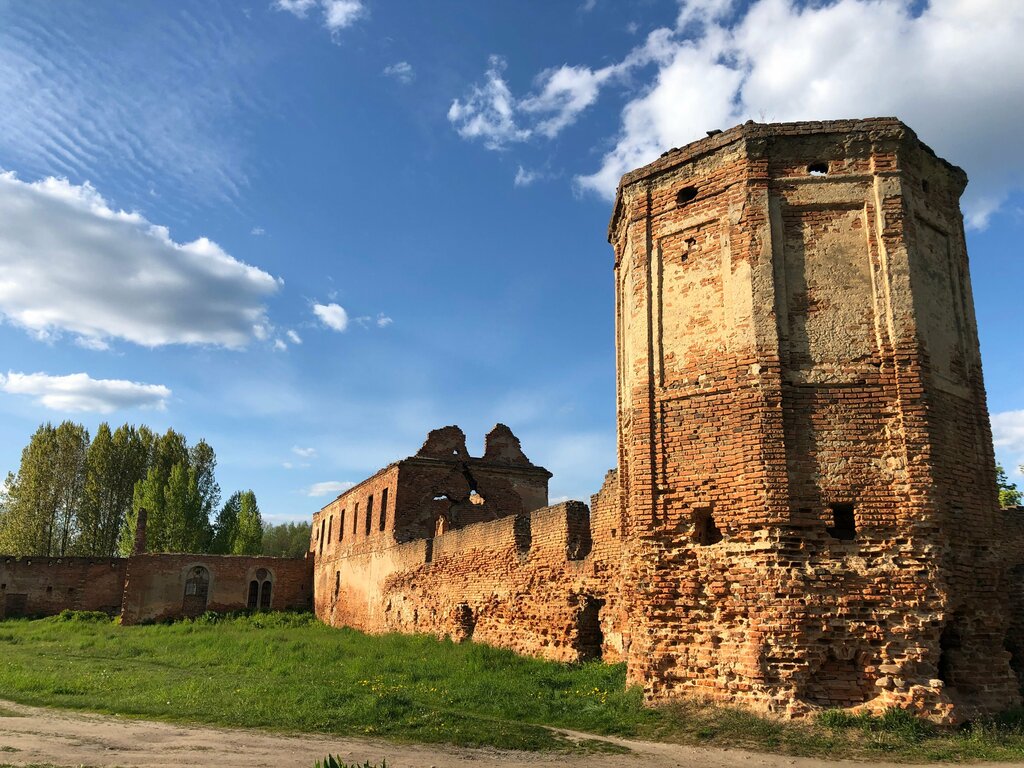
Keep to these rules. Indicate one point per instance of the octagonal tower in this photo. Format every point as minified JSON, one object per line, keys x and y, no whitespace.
{"x":805,"y":459}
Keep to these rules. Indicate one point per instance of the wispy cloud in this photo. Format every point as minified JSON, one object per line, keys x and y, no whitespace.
{"x":257,"y":231}
{"x":780,"y":60}
{"x":80,"y":392}
{"x":328,"y":488}
{"x":71,"y":263}
{"x":332,"y":315}
{"x":525,"y":178}
{"x":293,"y":337}
{"x":92,"y":98}
{"x":306,"y":453}
{"x":401,"y":71}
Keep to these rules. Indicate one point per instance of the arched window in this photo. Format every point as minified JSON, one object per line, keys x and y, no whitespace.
{"x":197,"y":588}
{"x":261,"y":590}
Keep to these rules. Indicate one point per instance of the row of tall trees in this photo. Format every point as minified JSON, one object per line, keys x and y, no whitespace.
{"x":73,"y":495}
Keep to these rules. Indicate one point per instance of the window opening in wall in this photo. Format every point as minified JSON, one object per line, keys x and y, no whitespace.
{"x":341,"y":525}
{"x":844,"y":522}
{"x":589,"y":637}
{"x":355,"y":519}
{"x":254,"y":595}
{"x":383,"y":508}
{"x":705,"y":532}
{"x":266,"y":588}
{"x":840,"y":681}
{"x":369,"y":513}
{"x":522,"y":533}
{"x":330,"y":523}
{"x":441,"y":525}
{"x":950,"y":647}
{"x":926,"y":186}
{"x":463,"y":623}
{"x":320,"y":538}
{"x":685,"y":195}
{"x":49,"y":590}
{"x":197,"y":586}
{"x":337,"y":584}
{"x":817,"y":169}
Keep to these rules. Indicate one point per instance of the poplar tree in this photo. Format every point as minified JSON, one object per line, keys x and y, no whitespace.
{"x":40,"y":513}
{"x":203,"y":462}
{"x":249,"y":540}
{"x":225,"y":527}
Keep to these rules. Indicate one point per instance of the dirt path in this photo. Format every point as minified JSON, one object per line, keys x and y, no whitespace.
{"x":67,"y":738}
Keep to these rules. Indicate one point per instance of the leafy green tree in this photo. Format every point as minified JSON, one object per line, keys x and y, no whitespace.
{"x":1009,"y":496}
{"x":68,"y":478}
{"x":249,"y":540}
{"x":286,"y":540}
{"x":203,"y":461}
{"x":40,"y":511}
{"x":149,"y":495}
{"x":31,"y":503}
{"x":225,"y":527}
{"x":184,"y":530}
{"x":97,"y":495}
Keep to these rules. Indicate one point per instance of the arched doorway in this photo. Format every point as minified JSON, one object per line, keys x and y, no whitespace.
{"x":197,"y":590}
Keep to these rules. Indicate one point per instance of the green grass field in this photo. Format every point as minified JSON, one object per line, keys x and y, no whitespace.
{"x":288,"y":672}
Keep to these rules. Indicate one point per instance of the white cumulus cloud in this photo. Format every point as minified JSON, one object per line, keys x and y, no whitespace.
{"x":337,"y":14}
{"x":488,"y":111}
{"x":80,"y":392}
{"x":70,"y":263}
{"x":294,"y":337}
{"x":951,"y":69}
{"x":332,"y":315}
{"x":328,"y":488}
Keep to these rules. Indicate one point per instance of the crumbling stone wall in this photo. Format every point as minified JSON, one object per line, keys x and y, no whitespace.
{"x":804,"y":452}
{"x":532,"y":583}
{"x":45,"y":586}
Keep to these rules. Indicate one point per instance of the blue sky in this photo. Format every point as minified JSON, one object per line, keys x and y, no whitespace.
{"x":311,"y":230}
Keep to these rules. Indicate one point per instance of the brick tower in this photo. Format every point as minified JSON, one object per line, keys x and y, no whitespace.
{"x":805,"y":460}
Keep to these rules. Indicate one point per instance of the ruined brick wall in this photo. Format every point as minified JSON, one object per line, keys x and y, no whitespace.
{"x":440,"y":488}
{"x":802,"y":427}
{"x":1012,"y":586}
{"x":534,"y":583}
{"x":157,"y":586}
{"x":44,"y":586}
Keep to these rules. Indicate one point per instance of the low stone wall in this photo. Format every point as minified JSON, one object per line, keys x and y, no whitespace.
{"x":156,"y":585}
{"x":44,"y":586}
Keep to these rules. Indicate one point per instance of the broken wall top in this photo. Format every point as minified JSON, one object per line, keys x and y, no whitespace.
{"x":874,"y":128}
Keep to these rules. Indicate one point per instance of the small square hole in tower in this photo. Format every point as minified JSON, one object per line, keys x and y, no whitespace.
{"x":705,"y":532}
{"x":844,"y":522}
